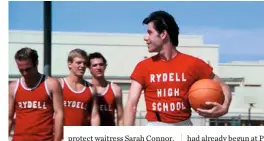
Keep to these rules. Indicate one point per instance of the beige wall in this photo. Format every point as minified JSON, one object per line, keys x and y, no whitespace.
{"x":123,"y":51}
{"x":252,"y":72}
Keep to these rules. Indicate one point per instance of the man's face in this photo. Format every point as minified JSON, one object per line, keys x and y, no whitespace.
{"x":78,"y":66}
{"x":153,"y":39}
{"x":97,"y":67}
{"x":26,"y":68}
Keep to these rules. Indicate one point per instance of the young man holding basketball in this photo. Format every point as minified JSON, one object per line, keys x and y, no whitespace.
{"x":109,"y":94}
{"x":166,"y":78}
{"x":36,"y":101}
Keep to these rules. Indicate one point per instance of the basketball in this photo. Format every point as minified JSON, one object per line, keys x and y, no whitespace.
{"x":205,"y":90}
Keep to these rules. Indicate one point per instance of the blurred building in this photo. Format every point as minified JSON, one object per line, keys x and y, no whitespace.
{"x":124,"y":51}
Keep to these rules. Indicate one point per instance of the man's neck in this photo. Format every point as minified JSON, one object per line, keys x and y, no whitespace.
{"x":168,"y":52}
{"x":99,"y":82}
{"x":74,"y":79}
{"x":30,"y":83}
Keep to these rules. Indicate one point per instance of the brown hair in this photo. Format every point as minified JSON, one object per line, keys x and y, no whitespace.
{"x":27,"y":53}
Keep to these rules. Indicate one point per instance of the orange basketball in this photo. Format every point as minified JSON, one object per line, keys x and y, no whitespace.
{"x":205,"y":90}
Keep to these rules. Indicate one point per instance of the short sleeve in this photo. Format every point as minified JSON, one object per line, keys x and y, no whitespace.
{"x":202,"y":69}
{"x":139,"y":73}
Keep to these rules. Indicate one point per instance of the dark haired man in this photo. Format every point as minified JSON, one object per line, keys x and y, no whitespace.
{"x":166,"y":78}
{"x":109,"y":94}
{"x":36,"y":100}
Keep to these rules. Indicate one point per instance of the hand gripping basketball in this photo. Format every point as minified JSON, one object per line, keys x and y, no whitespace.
{"x":203,"y":91}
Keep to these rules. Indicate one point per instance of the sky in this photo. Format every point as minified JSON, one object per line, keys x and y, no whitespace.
{"x":237,"y":27}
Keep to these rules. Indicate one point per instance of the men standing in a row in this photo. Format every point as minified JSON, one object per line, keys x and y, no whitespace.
{"x":92,"y":103}
{"x":41,"y":97}
{"x":36,"y":101}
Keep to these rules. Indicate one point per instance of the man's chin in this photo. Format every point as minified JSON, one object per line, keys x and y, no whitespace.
{"x":152,"y":51}
{"x":80,"y":74}
{"x":99,"y":76}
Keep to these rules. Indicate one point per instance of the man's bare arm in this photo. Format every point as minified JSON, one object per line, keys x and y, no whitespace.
{"x":226,"y":91}
{"x":218,"y":110}
{"x":95,"y":117}
{"x":11,"y":108}
{"x":119,"y":105}
{"x":57,"y":97}
{"x":131,"y":105}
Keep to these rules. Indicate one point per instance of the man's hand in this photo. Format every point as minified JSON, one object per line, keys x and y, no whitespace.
{"x":216,"y":111}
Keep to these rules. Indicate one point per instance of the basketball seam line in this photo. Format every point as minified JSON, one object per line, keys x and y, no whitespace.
{"x":203,"y":88}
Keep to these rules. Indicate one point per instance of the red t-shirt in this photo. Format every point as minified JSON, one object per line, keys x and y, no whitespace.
{"x":166,"y":85}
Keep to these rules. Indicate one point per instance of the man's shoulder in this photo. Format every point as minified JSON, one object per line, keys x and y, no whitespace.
{"x":188,"y":56}
{"x":148,"y":60}
{"x":89,"y":84}
{"x":13,"y":82}
{"x":50,"y":78}
{"x":116,"y":89}
{"x":116,"y":86}
{"x":190,"y":59}
{"x":13,"y":85}
{"x":52,"y":81}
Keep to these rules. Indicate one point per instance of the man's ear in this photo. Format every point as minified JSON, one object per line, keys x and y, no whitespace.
{"x":69,"y":64}
{"x":36,"y":63}
{"x":164,"y":34}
